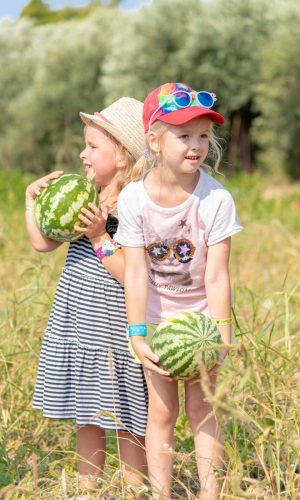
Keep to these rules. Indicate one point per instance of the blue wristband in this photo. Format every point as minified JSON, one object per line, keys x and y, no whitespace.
{"x":137,"y":330}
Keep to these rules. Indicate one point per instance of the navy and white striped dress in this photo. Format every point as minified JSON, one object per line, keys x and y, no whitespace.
{"x":86,"y":371}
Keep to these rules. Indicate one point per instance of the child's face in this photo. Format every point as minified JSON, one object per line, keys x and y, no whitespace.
{"x":99,"y":156}
{"x":183,"y":148}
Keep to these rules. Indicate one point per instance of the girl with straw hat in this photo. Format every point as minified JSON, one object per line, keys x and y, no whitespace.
{"x":86,"y":372}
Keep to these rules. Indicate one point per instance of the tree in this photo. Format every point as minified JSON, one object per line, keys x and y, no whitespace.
{"x":16,"y":74}
{"x":42,"y":124}
{"x":40,"y":12}
{"x":210,"y":45}
{"x":278,"y":128}
{"x":37,"y":10}
{"x":147,"y":51}
{"x":247,"y":51}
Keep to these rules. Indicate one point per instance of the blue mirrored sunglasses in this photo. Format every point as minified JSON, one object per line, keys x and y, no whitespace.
{"x":183,"y":99}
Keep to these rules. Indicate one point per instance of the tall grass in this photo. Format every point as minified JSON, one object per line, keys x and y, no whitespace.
{"x":257,"y":400}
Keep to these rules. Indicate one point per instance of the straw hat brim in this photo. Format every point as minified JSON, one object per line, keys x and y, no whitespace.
{"x":114,"y":131}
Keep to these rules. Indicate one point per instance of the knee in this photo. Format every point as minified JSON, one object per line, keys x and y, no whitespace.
{"x":198,"y":411}
{"x":164,"y":414}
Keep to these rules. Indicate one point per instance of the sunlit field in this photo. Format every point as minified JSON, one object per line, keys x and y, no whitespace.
{"x":257,"y":399}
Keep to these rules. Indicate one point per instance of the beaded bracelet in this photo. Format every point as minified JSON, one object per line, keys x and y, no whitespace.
{"x":137,"y":330}
{"x":109,"y":247}
{"x":223,"y":322}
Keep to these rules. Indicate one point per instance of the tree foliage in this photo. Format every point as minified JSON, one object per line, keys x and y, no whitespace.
{"x":40,"y":12}
{"x":214,"y":46}
{"x":247,"y":51}
{"x":63,"y":68}
{"x":277,"y":129}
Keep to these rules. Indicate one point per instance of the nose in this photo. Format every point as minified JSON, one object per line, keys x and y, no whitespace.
{"x":83,"y":155}
{"x":196,"y":145}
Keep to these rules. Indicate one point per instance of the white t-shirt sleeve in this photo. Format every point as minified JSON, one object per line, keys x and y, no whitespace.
{"x":129,"y":232}
{"x":225,"y":221}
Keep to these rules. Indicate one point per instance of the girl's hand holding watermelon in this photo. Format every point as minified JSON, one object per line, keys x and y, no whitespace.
{"x":214,"y":370}
{"x":146,"y":356}
{"x":95,"y":220}
{"x":34,"y":189}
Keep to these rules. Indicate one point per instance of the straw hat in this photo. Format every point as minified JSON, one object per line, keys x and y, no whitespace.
{"x":123,"y":120}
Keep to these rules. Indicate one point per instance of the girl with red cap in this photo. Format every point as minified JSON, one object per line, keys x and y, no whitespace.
{"x":175,"y":227}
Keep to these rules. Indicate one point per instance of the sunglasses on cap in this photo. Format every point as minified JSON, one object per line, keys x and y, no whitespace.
{"x":181,"y":99}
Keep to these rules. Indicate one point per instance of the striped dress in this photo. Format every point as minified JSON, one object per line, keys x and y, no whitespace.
{"x":85,"y":370}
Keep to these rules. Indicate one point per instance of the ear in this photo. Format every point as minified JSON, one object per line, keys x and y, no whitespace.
{"x":121,"y":164}
{"x":120,"y":160}
{"x":153,"y":142}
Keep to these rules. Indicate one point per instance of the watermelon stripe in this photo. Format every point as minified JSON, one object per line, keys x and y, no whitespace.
{"x":171,"y":357}
{"x":182,"y":369}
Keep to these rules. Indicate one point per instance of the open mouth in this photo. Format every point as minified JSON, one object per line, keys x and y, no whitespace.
{"x":192,"y":157}
{"x":90,"y":173}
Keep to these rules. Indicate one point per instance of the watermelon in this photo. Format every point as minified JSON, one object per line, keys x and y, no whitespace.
{"x":185,"y":341}
{"x":58,"y":206}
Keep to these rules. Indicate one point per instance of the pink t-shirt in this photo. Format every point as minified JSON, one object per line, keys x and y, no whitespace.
{"x":176,"y":241}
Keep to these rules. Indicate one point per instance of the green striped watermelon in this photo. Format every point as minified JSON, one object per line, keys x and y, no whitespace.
{"x":184,"y":341}
{"x":58,"y":206}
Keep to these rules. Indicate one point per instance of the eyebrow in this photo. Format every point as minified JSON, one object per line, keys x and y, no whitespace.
{"x":185,"y":130}
{"x":92,"y":143}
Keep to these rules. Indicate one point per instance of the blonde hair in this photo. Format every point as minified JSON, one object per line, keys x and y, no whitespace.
{"x":214,"y":152}
{"x":124,"y":163}
{"x":149,"y":161}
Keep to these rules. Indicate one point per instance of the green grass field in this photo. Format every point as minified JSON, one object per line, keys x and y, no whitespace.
{"x":258,"y":396}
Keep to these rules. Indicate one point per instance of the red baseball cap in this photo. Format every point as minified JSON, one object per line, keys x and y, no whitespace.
{"x":177,"y":103}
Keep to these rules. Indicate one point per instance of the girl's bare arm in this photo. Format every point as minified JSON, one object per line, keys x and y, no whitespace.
{"x":217,"y":283}
{"x":39,"y":242}
{"x":136,"y":293}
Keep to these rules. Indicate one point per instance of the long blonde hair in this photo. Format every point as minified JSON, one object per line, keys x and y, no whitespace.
{"x":124,"y":163}
{"x":149,"y":159}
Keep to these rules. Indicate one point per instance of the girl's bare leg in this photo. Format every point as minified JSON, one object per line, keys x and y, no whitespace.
{"x":162,"y":416}
{"x":91,"y":444}
{"x":133,"y":457}
{"x":208,"y":443}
